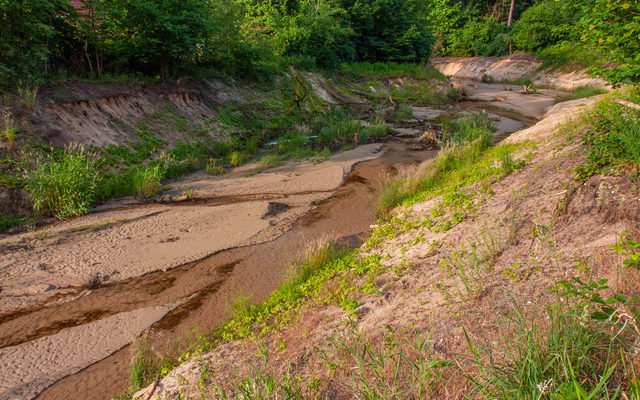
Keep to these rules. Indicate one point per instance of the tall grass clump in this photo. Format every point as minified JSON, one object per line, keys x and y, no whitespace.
{"x":146,"y":180}
{"x":613,"y":137}
{"x":64,"y":185}
{"x":559,"y":357}
{"x":9,"y":131}
{"x":390,"y":368}
{"x":468,"y":128}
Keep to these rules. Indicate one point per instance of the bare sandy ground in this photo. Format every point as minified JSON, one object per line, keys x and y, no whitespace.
{"x":123,"y":243}
{"x":28,"y":368}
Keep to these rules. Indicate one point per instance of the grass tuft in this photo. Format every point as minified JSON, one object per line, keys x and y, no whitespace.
{"x":64,"y":186}
{"x":146,"y":180}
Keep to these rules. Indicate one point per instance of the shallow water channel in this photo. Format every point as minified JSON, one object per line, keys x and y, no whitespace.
{"x":206,"y":288}
{"x":211,"y":284}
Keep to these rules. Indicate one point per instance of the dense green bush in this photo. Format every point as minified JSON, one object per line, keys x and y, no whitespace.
{"x":64,"y":186}
{"x":146,"y":180}
{"x":479,"y":37}
{"x":25,"y":28}
{"x":543,"y":25}
{"x":613,"y":137}
{"x":611,"y":28}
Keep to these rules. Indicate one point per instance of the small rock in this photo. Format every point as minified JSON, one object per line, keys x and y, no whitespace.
{"x":362,"y":311}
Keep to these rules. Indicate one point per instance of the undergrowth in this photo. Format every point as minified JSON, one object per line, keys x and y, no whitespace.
{"x":613,"y":137}
{"x":62,"y":185}
{"x":467,"y":157}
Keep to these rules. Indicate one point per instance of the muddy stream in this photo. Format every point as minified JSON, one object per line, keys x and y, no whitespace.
{"x":204,"y":290}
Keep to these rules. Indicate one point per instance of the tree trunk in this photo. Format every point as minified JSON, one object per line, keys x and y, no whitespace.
{"x":513,"y":3}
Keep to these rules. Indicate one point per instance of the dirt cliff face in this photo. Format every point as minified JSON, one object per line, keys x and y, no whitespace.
{"x":102,"y":114}
{"x":513,"y":68}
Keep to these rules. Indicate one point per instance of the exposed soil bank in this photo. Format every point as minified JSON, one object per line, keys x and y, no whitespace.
{"x":511,"y":68}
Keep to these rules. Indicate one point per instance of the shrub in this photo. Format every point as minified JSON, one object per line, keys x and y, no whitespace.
{"x":479,"y":37}
{"x":614,"y":138}
{"x":270,"y":160}
{"x":468,"y":128}
{"x":236,"y":158}
{"x":222,"y":149}
{"x":542,"y":25}
{"x":63,"y":186}
{"x":146,"y":180}
{"x":574,"y":360}
{"x":10,"y":130}
{"x":213,"y":167}
{"x":378,"y":129}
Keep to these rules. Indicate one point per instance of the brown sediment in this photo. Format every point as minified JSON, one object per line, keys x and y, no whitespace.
{"x":257,"y":270}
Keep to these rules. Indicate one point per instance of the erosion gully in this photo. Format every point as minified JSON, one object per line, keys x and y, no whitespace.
{"x":208,"y":287}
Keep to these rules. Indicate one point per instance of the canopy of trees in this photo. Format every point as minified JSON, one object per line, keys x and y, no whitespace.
{"x":164,"y":38}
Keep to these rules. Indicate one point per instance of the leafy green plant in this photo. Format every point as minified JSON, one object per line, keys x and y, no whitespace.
{"x":63,"y":185}
{"x":570,"y":360}
{"x":236,"y":158}
{"x":613,"y":138}
{"x":28,"y":96}
{"x":9,"y":131}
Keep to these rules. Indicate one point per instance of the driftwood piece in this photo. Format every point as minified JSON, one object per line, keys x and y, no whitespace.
{"x":628,"y":104}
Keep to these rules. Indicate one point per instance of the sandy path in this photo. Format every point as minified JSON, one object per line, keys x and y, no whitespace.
{"x":123,"y":243}
{"x":29,"y":368}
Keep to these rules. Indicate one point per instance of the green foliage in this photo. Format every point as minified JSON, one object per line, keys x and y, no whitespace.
{"x":7,"y":221}
{"x":392,"y":369}
{"x":468,"y":128}
{"x":146,"y":180}
{"x":574,"y":360}
{"x":611,"y":28}
{"x":213,"y":167}
{"x":25,"y":28}
{"x":466,"y":159}
{"x":64,"y":186}
{"x":613,"y":138}
{"x":389,"y":30}
{"x":9,"y":131}
{"x":479,"y":37}
{"x":379,"y":70}
{"x":544,"y":24}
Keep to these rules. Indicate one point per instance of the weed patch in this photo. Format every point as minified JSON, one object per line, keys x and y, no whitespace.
{"x":64,"y":186}
{"x":613,"y":138}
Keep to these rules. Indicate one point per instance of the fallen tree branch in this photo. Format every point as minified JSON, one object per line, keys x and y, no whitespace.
{"x":367,"y":95}
{"x":628,"y":104}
